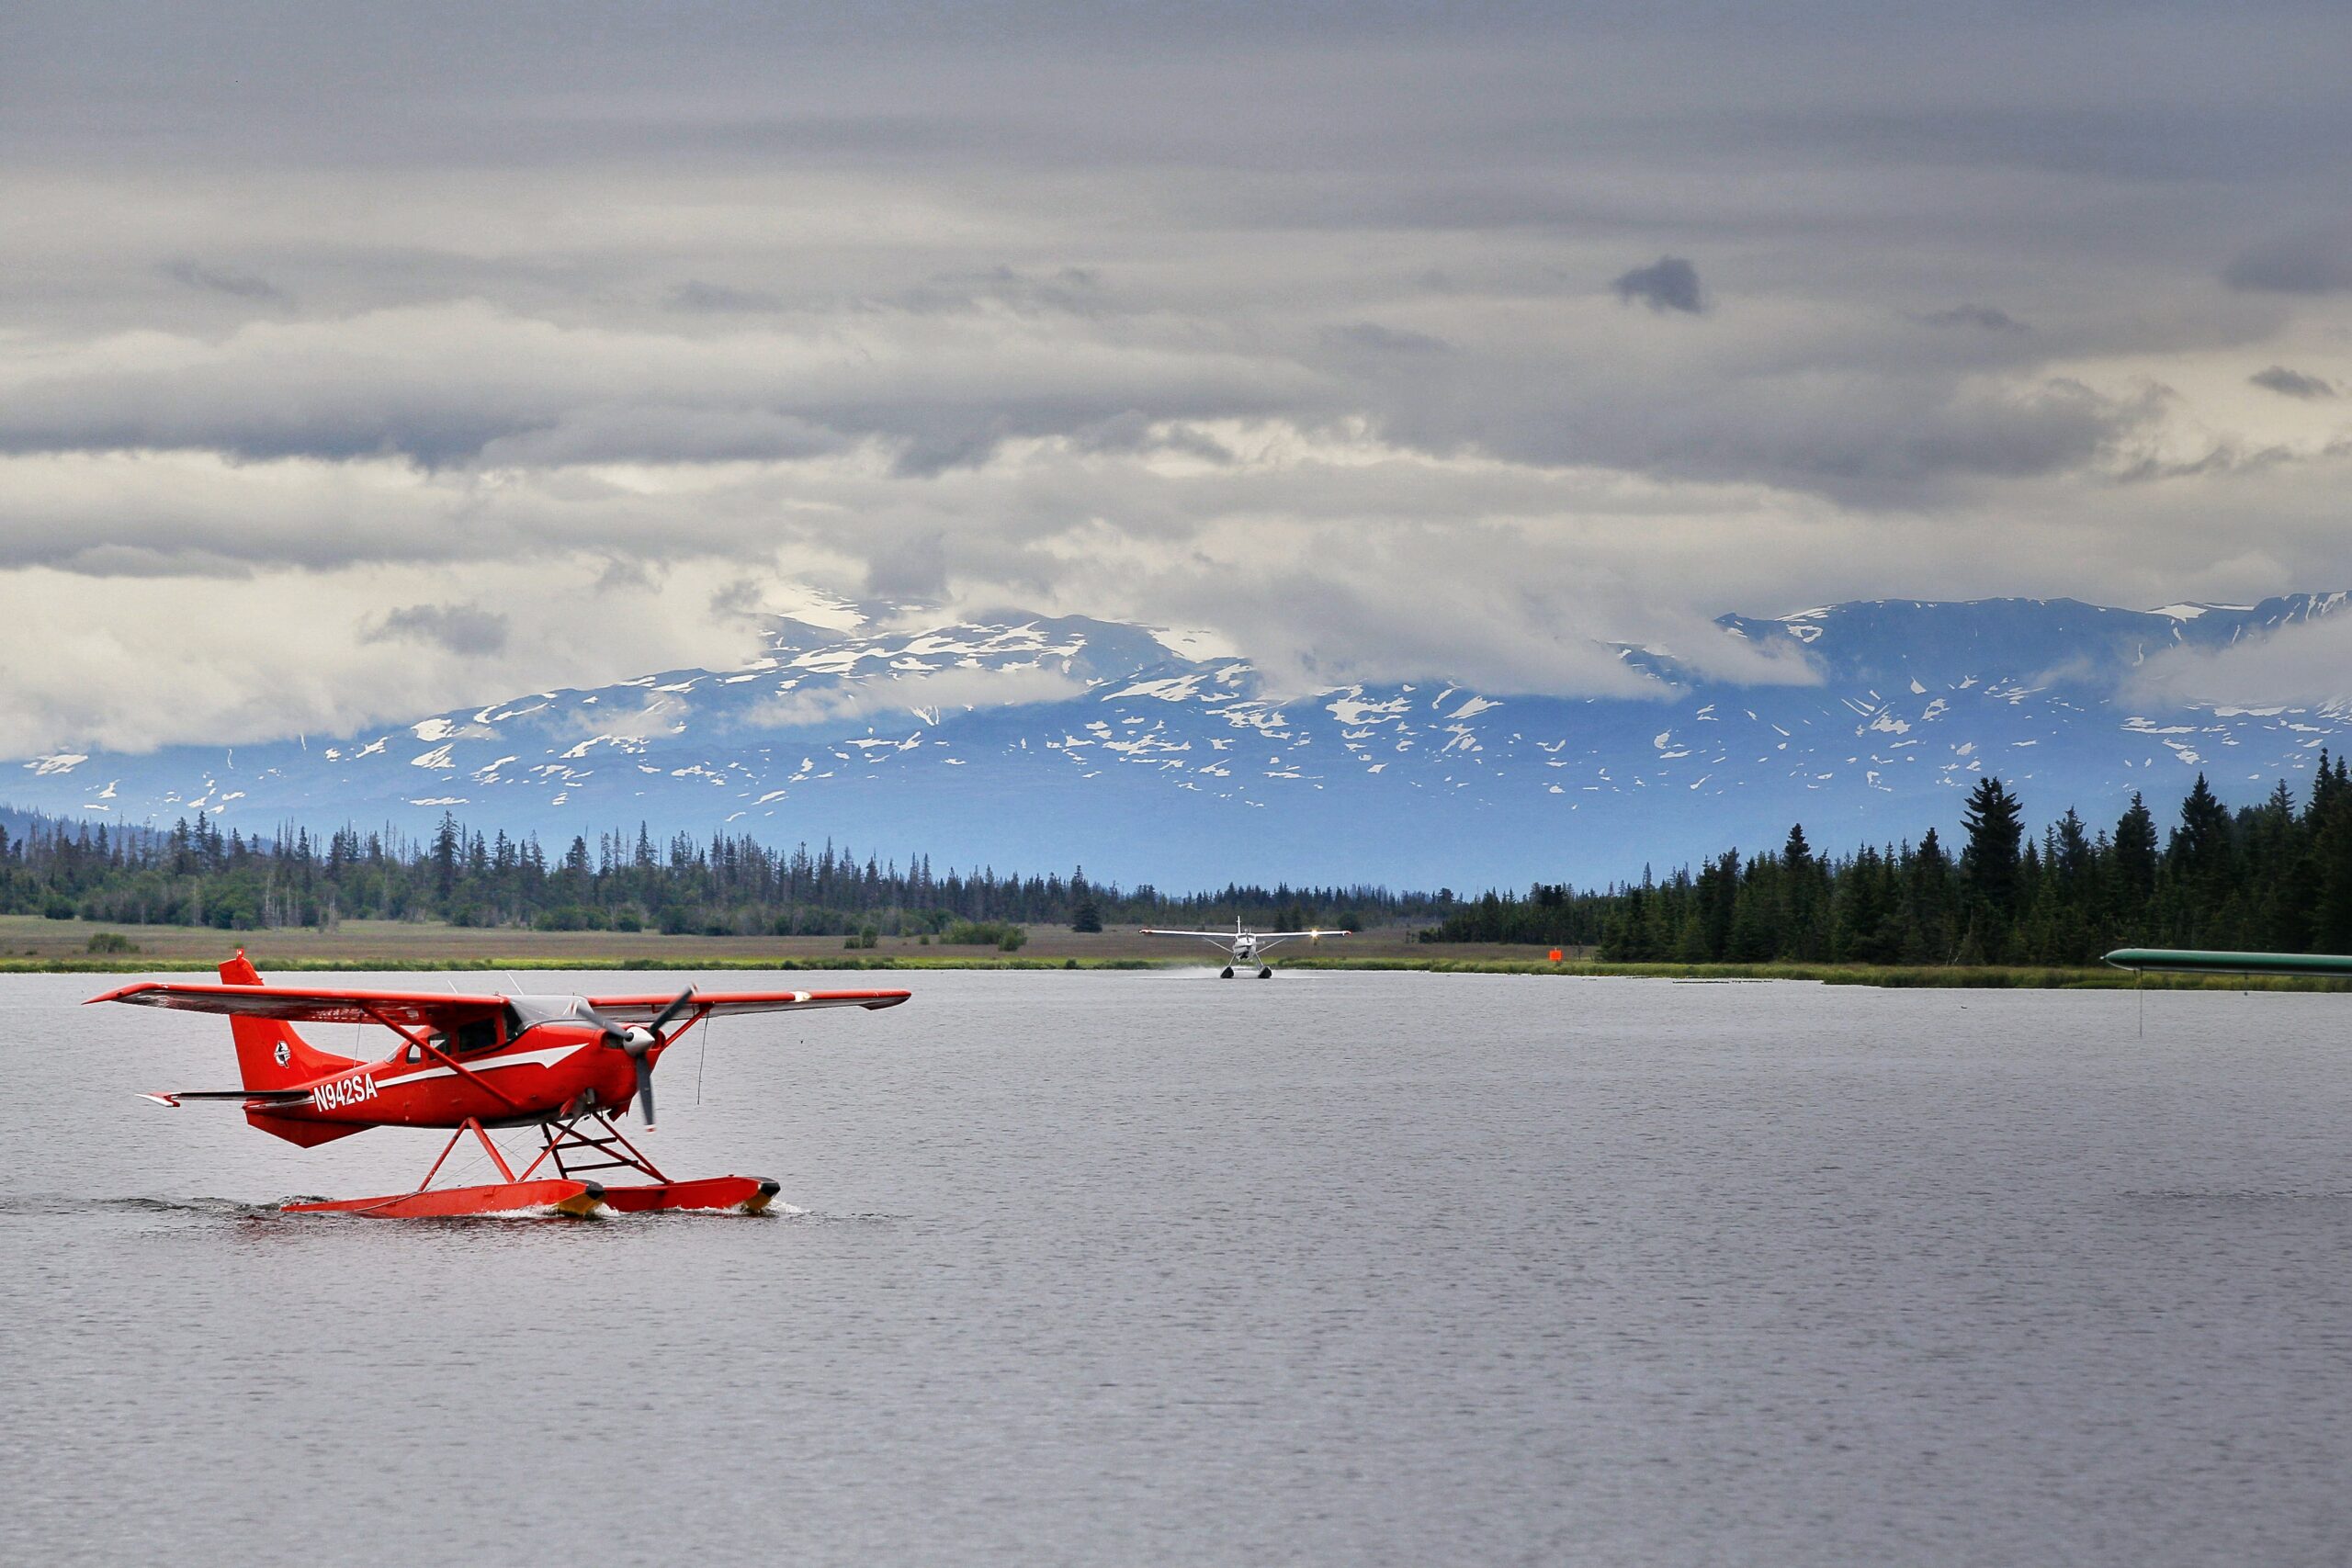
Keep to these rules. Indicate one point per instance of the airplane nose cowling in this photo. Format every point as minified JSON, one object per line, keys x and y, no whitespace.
{"x":640,"y":1042}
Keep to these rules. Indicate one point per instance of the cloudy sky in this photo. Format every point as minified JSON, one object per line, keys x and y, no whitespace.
{"x":358,"y":361}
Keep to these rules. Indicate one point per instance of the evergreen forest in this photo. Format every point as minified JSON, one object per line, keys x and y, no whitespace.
{"x":194,"y":875}
{"x":2276,"y":877}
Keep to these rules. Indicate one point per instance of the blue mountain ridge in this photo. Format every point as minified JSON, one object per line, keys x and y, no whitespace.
{"x":1034,"y":742}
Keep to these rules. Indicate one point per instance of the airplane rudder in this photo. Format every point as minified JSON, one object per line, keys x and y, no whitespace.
{"x":270,"y":1055}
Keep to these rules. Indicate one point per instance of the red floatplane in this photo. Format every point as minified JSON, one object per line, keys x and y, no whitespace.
{"x":565,"y":1064}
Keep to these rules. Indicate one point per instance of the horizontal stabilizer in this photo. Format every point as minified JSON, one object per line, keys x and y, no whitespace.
{"x":258,"y":1096}
{"x":2200,"y":961}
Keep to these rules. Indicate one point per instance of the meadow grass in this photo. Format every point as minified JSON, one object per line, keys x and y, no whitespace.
{"x":2043,"y":977}
{"x":1986,"y":977}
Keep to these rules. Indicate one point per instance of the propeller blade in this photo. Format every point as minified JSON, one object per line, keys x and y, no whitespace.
{"x":685,"y":999}
{"x":645,"y":1090}
{"x":618,"y":1031}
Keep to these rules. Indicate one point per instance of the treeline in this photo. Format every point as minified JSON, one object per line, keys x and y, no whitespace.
{"x":195,"y":874}
{"x":2276,"y":876}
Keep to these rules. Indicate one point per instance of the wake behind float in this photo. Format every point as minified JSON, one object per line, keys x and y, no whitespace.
{"x":567,"y":1066}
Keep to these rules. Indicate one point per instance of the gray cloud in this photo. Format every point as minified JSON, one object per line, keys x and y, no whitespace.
{"x":455,"y":382}
{"x":467,"y":630}
{"x":620,"y":574}
{"x":1668,"y":283}
{"x":914,"y":568}
{"x":2292,"y":383}
{"x":1984,"y":318}
{"x":1069,"y":290}
{"x":2302,"y":661}
{"x":222,"y":280}
{"x":2316,"y":261}
{"x":920,"y":697}
{"x":739,"y":600}
{"x":719,"y":299}
{"x":1370,"y":337}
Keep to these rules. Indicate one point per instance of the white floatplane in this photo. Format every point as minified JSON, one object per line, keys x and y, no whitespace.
{"x":1242,"y":947}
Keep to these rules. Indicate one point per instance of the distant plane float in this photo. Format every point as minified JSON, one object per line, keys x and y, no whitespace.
{"x":1244,"y":947}
{"x":2202,"y":961}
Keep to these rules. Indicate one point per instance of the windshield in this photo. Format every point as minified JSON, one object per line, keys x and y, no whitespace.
{"x":527,"y":1012}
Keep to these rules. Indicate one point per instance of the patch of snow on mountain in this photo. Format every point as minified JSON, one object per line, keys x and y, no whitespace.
{"x":1353,"y":708}
{"x":2192,"y":611}
{"x":1167,"y":689}
{"x":1193,"y":643}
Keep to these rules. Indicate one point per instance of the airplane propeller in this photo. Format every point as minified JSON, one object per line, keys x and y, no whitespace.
{"x":640,"y":1044}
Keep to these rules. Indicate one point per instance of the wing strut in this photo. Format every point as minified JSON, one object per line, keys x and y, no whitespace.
{"x":425,"y":1044}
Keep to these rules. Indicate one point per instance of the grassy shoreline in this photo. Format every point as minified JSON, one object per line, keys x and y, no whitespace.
{"x":1990,"y":976}
{"x":34,"y":945}
{"x":269,"y":964}
{"x":2033,"y":977}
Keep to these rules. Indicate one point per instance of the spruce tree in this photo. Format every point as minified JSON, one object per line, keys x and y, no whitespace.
{"x":1995,"y":822}
{"x":1085,"y":914}
{"x":1928,"y":934}
{"x":2134,"y":882}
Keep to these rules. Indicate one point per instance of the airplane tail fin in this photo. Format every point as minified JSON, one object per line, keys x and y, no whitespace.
{"x":269,"y":1053}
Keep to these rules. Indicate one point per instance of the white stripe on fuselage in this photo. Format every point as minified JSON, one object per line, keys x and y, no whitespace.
{"x":547,"y":1057}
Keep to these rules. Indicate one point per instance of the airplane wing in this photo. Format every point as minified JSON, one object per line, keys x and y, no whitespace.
{"x":296,"y":1004}
{"x":1213,"y":936}
{"x":2200,"y":960}
{"x":1270,"y":939}
{"x":644,"y":1008}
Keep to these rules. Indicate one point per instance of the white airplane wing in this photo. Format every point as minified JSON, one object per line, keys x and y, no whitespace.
{"x":1213,"y":936}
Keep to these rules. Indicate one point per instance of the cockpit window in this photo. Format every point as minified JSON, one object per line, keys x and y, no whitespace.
{"x":478,"y":1034}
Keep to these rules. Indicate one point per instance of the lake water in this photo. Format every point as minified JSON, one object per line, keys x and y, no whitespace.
{"x":1152,"y":1268}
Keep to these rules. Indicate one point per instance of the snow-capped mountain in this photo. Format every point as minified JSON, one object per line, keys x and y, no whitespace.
{"x":1044,"y":742}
